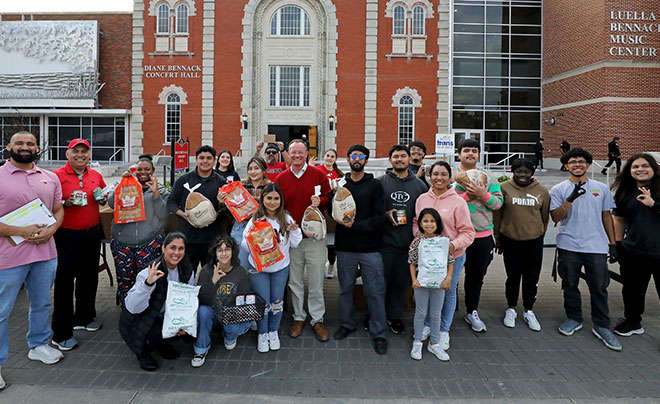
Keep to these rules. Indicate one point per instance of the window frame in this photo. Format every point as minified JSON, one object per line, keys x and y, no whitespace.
{"x":172,"y":107}
{"x":304,"y":25}
{"x":410,"y":109}
{"x":422,"y":21}
{"x":401,"y":21}
{"x":179,"y":20}
{"x":160,"y":18}
{"x":304,"y":86}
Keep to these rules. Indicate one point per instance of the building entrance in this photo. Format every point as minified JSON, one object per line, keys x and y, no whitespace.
{"x":286,"y":133}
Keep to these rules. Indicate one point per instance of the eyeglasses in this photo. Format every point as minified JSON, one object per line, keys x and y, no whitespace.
{"x":271,"y":152}
{"x":358,"y":156}
{"x":576,"y":162}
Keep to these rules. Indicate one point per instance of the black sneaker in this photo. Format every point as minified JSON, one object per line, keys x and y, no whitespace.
{"x":625,"y":328}
{"x":365,"y":324}
{"x":380,"y":346}
{"x":396,"y":326}
{"x":147,"y":362}
{"x":342,"y":333}
{"x":167,"y":351}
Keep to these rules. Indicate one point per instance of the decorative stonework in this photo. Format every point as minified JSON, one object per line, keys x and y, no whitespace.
{"x":162,"y":97}
{"x":208,"y":60}
{"x":72,"y":42}
{"x":444,"y":66}
{"x":371,"y":76}
{"x":252,"y":104}
{"x":137,"y":117}
{"x":417,"y":99}
{"x":409,"y":4}
{"x":153,"y":6}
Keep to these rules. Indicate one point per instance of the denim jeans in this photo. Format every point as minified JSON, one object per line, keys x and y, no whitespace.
{"x":270,"y":286}
{"x":428,"y":305}
{"x":371,"y":266}
{"x":38,"y":278}
{"x":237,"y":235}
{"x":205,"y":322}
{"x":449,"y":305}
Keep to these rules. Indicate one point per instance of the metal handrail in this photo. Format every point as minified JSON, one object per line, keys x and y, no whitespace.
{"x":504,"y":160}
{"x":159,"y":152}
{"x":114,"y":154}
{"x":607,"y":171}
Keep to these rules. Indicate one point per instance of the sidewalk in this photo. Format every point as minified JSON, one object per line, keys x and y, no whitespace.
{"x":500,"y":364}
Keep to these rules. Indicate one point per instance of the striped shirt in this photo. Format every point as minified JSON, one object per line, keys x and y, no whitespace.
{"x":481,"y":210}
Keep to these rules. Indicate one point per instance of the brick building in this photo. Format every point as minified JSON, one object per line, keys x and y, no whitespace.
{"x":601,"y":74}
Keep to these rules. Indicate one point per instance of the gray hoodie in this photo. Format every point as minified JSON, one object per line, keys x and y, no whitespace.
{"x":140,"y":233}
{"x":400,"y":194}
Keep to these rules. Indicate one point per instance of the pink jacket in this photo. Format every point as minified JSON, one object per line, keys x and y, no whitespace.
{"x":455,"y":217}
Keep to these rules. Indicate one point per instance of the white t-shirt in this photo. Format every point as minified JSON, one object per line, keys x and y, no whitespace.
{"x":581,"y":230}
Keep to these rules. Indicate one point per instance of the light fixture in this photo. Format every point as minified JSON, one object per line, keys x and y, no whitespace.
{"x":550,"y":121}
{"x":244,"y":118}
{"x":331,"y":119}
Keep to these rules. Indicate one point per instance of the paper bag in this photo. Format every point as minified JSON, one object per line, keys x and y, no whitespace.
{"x":239,"y":201}
{"x":263,"y":246}
{"x":432,"y":264}
{"x":180,"y":309}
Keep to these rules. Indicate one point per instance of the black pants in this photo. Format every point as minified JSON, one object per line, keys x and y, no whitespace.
{"x":77,"y":273}
{"x":197,"y":253}
{"x":636,"y":271}
{"x":539,"y":160}
{"x":616,"y":160}
{"x":477,"y":258}
{"x":397,"y":281}
{"x":569,"y":266}
{"x":332,"y":256}
{"x":522,"y":259}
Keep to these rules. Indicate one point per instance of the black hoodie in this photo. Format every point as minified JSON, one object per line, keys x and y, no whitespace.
{"x":366,"y":232}
{"x":400,"y":194}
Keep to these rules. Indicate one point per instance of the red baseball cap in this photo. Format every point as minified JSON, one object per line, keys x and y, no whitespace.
{"x":76,"y":142}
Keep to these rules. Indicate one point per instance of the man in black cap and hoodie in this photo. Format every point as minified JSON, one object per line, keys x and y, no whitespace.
{"x":402,"y":188}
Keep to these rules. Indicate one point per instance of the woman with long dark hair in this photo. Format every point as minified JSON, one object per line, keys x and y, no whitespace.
{"x":636,"y":224}
{"x":332,"y":171}
{"x":141,"y":319}
{"x":225,"y":166}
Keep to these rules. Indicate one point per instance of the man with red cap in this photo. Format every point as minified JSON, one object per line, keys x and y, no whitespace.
{"x":78,"y":243}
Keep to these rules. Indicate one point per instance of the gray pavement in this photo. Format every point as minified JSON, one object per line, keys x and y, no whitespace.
{"x":501,"y":365}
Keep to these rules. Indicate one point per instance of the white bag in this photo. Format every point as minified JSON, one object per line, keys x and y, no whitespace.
{"x":432,"y":264}
{"x":313,"y":224}
{"x":180,"y":309}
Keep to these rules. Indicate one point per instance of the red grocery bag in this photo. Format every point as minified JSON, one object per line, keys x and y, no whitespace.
{"x":239,"y":201}
{"x":129,"y":202}
{"x":263,"y":246}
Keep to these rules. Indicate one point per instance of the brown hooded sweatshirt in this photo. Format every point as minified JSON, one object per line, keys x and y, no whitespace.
{"x":524,"y":213}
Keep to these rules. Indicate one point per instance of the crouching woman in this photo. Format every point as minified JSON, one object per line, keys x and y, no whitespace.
{"x":141,"y":319}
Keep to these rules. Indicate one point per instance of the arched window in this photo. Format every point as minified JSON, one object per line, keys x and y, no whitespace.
{"x":163,"y":19}
{"x":172,"y":118}
{"x":182,"y":19}
{"x":399,"y":21}
{"x":406,"y":120}
{"x":290,"y":21}
{"x":418,"y":20}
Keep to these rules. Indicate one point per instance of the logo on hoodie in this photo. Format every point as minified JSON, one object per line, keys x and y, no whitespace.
{"x":400,"y":196}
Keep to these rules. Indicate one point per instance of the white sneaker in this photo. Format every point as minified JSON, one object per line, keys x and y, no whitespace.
{"x":444,"y":340}
{"x":273,"y":341}
{"x":438,"y":352}
{"x":198,"y":360}
{"x":2,"y":381}
{"x":262,"y":343}
{"x":45,"y":354}
{"x":531,"y":321}
{"x":330,"y":271}
{"x":510,"y":318}
{"x":416,"y":351}
{"x":426,"y":332}
{"x":230,"y":346}
{"x":475,"y":322}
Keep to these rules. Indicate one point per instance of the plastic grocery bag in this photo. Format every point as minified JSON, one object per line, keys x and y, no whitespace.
{"x":180,"y":309}
{"x":313,"y":224}
{"x":262,"y":243}
{"x":239,"y":201}
{"x":129,"y":201}
{"x":432,"y":264}
{"x":199,"y":209}
{"x":343,"y":206}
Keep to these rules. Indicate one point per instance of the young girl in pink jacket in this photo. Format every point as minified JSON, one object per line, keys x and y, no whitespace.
{"x":457,"y":226}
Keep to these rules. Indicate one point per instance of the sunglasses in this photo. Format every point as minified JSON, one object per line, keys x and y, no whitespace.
{"x":271,"y":152}
{"x":356,"y":156}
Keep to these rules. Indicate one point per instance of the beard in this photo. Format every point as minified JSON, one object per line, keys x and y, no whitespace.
{"x":22,"y":158}
{"x":357,"y":167}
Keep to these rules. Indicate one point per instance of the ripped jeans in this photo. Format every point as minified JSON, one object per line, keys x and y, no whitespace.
{"x":271,"y":287}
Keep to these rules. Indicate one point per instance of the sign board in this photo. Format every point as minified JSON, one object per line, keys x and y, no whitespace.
{"x":180,"y":155}
{"x":444,"y":144}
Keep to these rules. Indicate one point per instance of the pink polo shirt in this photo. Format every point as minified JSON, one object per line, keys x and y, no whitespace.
{"x":18,"y":188}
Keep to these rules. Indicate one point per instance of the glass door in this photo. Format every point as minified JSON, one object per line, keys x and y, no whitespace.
{"x":478,"y":135}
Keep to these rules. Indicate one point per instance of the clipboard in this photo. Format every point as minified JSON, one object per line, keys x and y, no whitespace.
{"x":33,"y":212}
